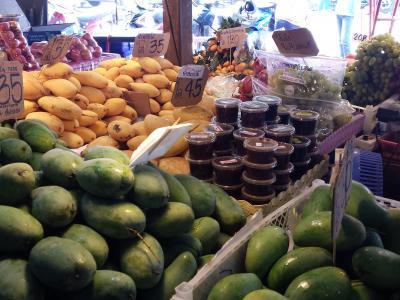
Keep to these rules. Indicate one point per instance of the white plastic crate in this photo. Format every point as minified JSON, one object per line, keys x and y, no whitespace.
{"x":230,"y":259}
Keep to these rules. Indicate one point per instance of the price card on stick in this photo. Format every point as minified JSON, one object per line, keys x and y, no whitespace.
{"x":158,"y":143}
{"x":297,"y":42}
{"x":151,"y":44}
{"x":341,"y":191}
{"x":11,"y":90}
{"x":232,"y":37}
{"x":190,"y":85}
{"x":56,"y":49}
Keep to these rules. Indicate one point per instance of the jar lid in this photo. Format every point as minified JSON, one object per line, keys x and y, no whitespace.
{"x":227,"y":162}
{"x":200,"y":138}
{"x":227,"y":102}
{"x":287,"y":171}
{"x":251,"y":165}
{"x":278,"y":130}
{"x":247,"y":179}
{"x":284,"y":149}
{"x":220,"y":128}
{"x":300,"y":141}
{"x":252,"y":106}
{"x":304,"y":115}
{"x":243,"y":133}
{"x":268,"y":99}
{"x":260,"y":144}
{"x":257,"y":199}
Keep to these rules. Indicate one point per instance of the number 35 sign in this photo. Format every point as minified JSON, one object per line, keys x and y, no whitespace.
{"x":190,"y":85}
{"x":11,"y":92}
{"x":151,"y":44}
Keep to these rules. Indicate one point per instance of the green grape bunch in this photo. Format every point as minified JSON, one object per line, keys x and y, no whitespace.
{"x":375,"y":74}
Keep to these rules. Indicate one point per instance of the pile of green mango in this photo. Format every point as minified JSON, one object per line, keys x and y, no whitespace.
{"x":90,"y":228}
{"x":367,"y":263}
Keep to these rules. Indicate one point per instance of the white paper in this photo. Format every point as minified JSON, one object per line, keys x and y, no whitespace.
{"x":158,"y":143}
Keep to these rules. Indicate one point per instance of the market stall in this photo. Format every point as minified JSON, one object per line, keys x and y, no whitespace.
{"x":243,"y":174}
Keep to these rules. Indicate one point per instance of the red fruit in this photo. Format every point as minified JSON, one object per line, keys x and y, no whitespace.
{"x":30,"y":58}
{"x":246,"y":86}
{"x":86,"y":54}
{"x":14,"y":52}
{"x":90,"y":48}
{"x":14,"y":43}
{"x":14,"y":25}
{"x":7,"y":36}
{"x":87,"y":36}
{"x":263,"y":76}
{"x":84,"y":42}
{"x":4,"y":26}
{"x":244,"y":98}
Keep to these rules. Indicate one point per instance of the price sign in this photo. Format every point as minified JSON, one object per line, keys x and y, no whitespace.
{"x":151,"y":44}
{"x":190,"y":85}
{"x":11,"y":91}
{"x":232,"y":37}
{"x":296,"y":42}
{"x":56,"y":49}
{"x":341,"y":192}
{"x":139,"y":101}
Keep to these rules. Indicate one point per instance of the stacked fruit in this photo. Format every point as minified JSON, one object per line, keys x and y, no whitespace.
{"x":82,"y":48}
{"x":91,"y":228}
{"x":375,"y":74}
{"x":367,"y":260}
{"x":86,"y":107}
{"x":14,"y":43}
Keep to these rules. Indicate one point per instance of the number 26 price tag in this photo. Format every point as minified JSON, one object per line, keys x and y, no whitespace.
{"x":190,"y":85}
{"x":151,"y":44}
{"x":11,"y":91}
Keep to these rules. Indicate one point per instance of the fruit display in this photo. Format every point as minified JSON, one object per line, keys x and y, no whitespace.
{"x":223,"y":61}
{"x":13,"y":42}
{"x":375,"y":74}
{"x":87,"y":107}
{"x":89,"y":227}
{"x":81,"y":49}
{"x":367,"y":258}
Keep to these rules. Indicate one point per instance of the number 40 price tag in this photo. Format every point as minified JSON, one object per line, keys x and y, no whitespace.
{"x":151,"y":44}
{"x":190,"y":85}
{"x":11,"y":92}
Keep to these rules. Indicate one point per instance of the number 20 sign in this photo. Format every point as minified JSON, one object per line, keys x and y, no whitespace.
{"x":11,"y":91}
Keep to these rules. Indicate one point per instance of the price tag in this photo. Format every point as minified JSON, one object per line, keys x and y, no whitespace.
{"x":296,"y":42}
{"x":11,"y":90}
{"x":56,"y":49}
{"x":151,"y":44}
{"x":158,"y":143}
{"x":190,"y":85}
{"x":139,"y":101}
{"x":232,"y":37}
{"x":341,"y":192}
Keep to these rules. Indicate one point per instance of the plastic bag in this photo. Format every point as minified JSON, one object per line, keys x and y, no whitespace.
{"x":315,"y":77}
{"x":222,"y":86}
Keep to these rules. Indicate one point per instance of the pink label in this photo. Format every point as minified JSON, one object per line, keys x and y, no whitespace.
{"x":249,"y":133}
{"x":228,"y":162}
{"x":217,"y":128}
{"x":199,"y":135}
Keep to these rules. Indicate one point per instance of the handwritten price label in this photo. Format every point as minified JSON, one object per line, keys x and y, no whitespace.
{"x":342,"y":188}
{"x":11,"y":91}
{"x":296,"y":42}
{"x":149,"y":44}
{"x":190,"y":85}
{"x":56,"y":49}
{"x":232,"y":37}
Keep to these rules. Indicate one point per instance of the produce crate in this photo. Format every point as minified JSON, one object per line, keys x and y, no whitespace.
{"x":230,"y":259}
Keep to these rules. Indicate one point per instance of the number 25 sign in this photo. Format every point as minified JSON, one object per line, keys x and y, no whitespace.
{"x":151,"y":44}
{"x":190,"y":85}
{"x":11,"y":91}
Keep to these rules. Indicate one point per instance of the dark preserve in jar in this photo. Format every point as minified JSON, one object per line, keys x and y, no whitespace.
{"x":252,"y":114}
{"x":200,"y":145}
{"x":300,"y":144}
{"x":259,"y":171}
{"x":282,"y":155}
{"x":227,"y":110}
{"x":201,"y":169}
{"x":283,"y":114}
{"x":241,"y":134}
{"x":273,"y":102}
{"x":228,"y":170}
{"x":305,"y":121}
{"x":257,"y":200}
{"x":283,"y":176}
{"x":279,"y":132}
{"x":231,"y":190}
{"x":223,"y":134}
{"x":258,"y":187}
{"x":260,"y":150}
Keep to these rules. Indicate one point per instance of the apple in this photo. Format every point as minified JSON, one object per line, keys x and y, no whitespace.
{"x":14,"y":43}
{"x":87,"y":36}
{"x":14,"y":52}
{"x":84,"y":42}
{"x":4,"y":26}
{"x":80,"y":45}
{"x":21,"y":59}
{"x":7,"y":35}
{"x":246,"y":86}
{"x":35,"y":65}
{"x":97,"y":52}
{"x":30,"y":58}
{"x":86,"y":54}
{"x":90,"y":48}
{"x":14,"y":24}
